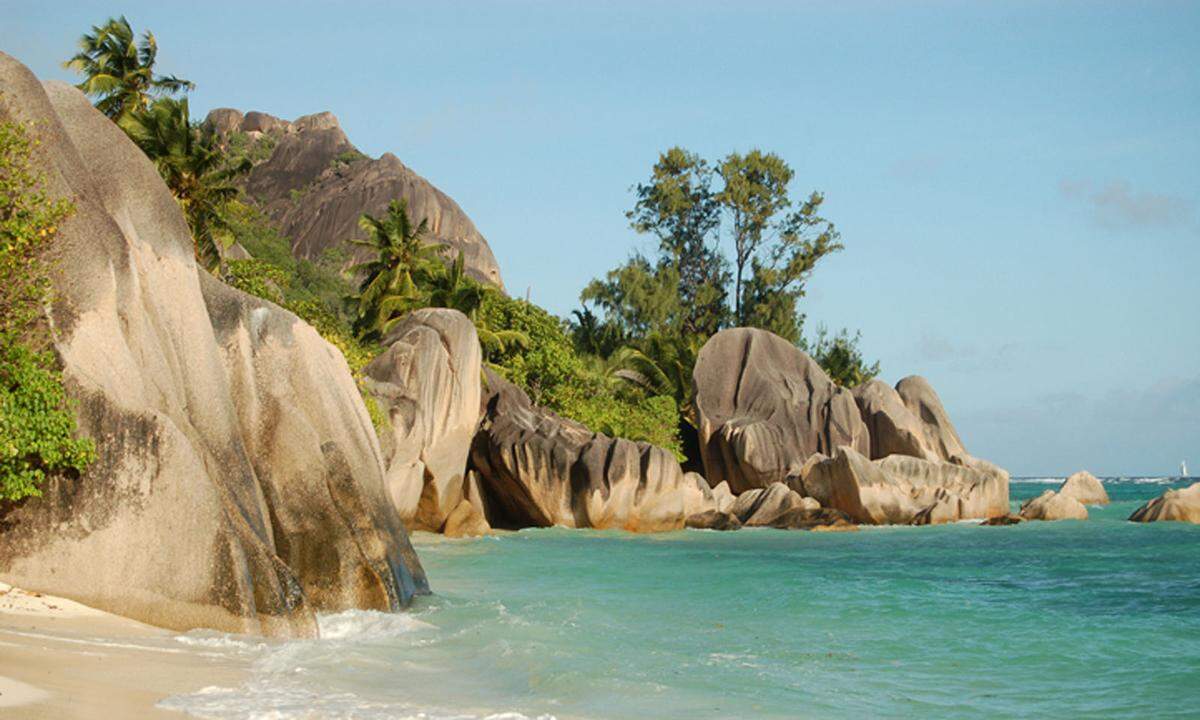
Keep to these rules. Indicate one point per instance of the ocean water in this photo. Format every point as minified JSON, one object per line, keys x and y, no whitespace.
{"x":1068,"y":619}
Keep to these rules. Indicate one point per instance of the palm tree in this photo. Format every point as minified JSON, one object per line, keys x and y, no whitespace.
{"x":403,"y":262}
{"x":453,"y":288}
{"x":661,"y":365}
{"x":193,"y":168}
{"x":119,"y":71}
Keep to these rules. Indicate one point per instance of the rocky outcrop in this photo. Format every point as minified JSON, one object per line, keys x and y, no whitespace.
{"x":1182,"y":505}
{"x":428,"y":381}
{"x":316,"y":185}
{"x":902,"y":490}
{"x":940,"y":436}
{"x":762,"y":505}
{"x":1084,"y":487}
{"x":238,"y":484}
{"x":1051,"y":505}
{"x":768,"y":414}
{"x":537,"y":469}
{"x":764,"y":407}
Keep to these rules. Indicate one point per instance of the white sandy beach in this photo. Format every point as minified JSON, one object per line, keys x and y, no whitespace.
{"x":60,"y":659}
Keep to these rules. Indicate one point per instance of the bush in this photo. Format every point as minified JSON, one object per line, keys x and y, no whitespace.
{"x":555,"y":376}
{"x":37,"y":427}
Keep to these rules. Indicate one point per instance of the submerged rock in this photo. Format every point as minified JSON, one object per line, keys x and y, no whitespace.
{"x":807,"y":518}
{"x":428,"y":382}
{"x":537,"y":469}
{"x":1051,"y":505}
{"x":1084,"y":487}
{"x":761,"y":505}
{"x":1182,"y":505}
{"x":1003,"y":520}
{"x":764,"y":407}
{"x":713,"y":520}
{"x":238,"y":484}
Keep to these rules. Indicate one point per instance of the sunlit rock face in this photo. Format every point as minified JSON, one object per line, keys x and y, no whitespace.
{"x":315,"y":185}
{"x":238,"y":484}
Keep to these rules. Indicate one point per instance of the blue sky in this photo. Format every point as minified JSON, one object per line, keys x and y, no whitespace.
{"x":1017,"y":184}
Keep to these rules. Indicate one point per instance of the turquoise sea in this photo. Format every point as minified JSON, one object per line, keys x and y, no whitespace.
{"x":1068,"y":619}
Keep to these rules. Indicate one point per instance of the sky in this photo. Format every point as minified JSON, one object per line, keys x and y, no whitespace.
{"x":1017,"y":184}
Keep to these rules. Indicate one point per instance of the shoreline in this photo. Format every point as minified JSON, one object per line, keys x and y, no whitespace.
{"x":61,"y":659}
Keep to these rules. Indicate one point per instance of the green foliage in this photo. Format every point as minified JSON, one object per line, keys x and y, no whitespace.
{"x":840,"y":357}
{"x":29,"y":219}
{"x":118,"y":70}
{"x":241,"y":147}
{"x":37,"y":427}
{"x":259,"y":278}
{"x":194,"y":169}
{"x":396,"y":279}
{"x":554,"y":375}
{"x":346,"y":158}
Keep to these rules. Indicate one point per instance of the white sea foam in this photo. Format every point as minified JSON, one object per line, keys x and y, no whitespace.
{"x":289,"y":701}
{"x":354,"y":624}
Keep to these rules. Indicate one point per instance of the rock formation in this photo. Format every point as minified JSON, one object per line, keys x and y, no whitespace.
{"x":764,"y":407}
{"x":537,"y":469}
{"x":1181,"y":505}
{"x":315,"y":185}
{"x":1084,"y":487}
{"x":428,"y":381}
{"x":762,"y":505}
{"x":769,"y":414}
{"x":1051,"y":505}
{"x":901,"y":490}
{"x":238,"y":483}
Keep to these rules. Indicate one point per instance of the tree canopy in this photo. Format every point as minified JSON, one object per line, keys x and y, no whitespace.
{"x":118,"y":69}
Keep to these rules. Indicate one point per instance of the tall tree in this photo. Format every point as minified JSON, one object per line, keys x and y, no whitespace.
{"x":119,"y":71}
{"x":193,"y":168}
{"x":756,"y":190}
{"x":403,"y":262}
{"x":678,"y":206}
{"x":780,"y":271}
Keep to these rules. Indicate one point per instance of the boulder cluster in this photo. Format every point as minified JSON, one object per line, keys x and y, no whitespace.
{"x":782,"y":446}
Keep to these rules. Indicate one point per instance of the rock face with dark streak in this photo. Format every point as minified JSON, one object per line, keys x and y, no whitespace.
{"x":769,"y":414}
{"x":764,"y":407}
{"x":427,"y":380}
{"x":316,"y":184}
{"x":1182,"y":505}
{"x":238,"y":484}
{"x":537,"y":469}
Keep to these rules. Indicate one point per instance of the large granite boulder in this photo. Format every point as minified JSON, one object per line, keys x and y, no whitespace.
{"x":902,"y":490}
{"x":238,"y":483}
{"x":316,"y":185}
{"x":1084,"y":487}
{"x":428,"y":381}
{"x":893,"y":428}
{"x":940,"y":436}
{"x":537,"y":469}
{"x":1051,"y":505}
{"x":1181,"y":505}
{"x":764,"y":407}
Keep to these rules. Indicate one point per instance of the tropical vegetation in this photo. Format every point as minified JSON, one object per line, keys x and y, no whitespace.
{"x":118,"y":69}
{"x":37,"y":427}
